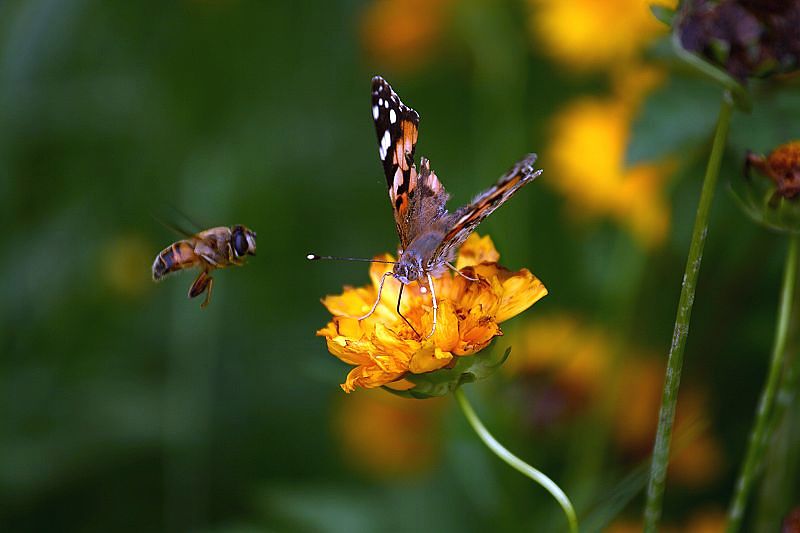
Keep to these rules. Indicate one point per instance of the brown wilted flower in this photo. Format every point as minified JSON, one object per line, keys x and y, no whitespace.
{"x":747,"y":38}
{"x":782,"y":166}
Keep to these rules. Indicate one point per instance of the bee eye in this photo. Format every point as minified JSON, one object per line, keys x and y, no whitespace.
{"x":240,"y":245}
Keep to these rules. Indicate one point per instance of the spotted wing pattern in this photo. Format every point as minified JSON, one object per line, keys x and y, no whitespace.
{"x":396,"y":127}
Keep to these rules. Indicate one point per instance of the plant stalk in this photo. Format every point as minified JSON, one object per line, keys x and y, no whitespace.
{"x":666,"y":416}
{"x":515,"y":462}
{"x":760,"y":433}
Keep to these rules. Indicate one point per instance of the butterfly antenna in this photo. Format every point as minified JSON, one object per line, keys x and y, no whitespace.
{"x":315,"y":257}
{"x":377,"y":300}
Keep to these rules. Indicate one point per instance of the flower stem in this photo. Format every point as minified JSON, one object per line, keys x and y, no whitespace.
{"x":760,"y":434}
{"x":515,"y":462}
{"x":666,"y":416}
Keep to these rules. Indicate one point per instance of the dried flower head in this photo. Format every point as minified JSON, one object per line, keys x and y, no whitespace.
{"x":744,"y":37}
{"x":384,"y":348}
{"x":782,"y":166}
{"x":772,"y":202}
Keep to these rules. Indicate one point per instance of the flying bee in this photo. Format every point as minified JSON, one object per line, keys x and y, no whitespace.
{"x":208,"y":250}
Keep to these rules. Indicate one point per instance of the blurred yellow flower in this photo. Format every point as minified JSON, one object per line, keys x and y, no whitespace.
{"x":383,"y":348}
{"x":587,"y":162}
{"x":697,"y":460}
{"x":594,"y":34}
{"x":387,"y":436}
{"x":702,"y":521}
{"x":123,"y":260}
{"x":578,"y":359}
{"x":577,"y":356}
{"x":403,"y":34}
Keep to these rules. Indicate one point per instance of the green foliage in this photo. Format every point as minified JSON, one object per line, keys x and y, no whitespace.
{"x":468,"y":369}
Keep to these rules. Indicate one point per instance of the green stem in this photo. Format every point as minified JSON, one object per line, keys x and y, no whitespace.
{"x":515,"y":462}
{"x":666,"y":416}
{"x":760,"y":434}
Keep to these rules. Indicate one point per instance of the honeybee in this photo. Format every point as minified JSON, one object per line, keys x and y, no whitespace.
{"x":208,"y":250}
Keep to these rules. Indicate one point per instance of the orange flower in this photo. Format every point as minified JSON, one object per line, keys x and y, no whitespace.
{"x":587,"y":155}
{"x":695,"y":463}
{"x":402,"y":34}
{"x":385,"y":435}
{"x":591,"y":34}
{"x":383,"y":348}
{"x":574,"y":354}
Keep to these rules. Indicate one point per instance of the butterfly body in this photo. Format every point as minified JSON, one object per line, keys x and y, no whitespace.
{"x":429,"y":234}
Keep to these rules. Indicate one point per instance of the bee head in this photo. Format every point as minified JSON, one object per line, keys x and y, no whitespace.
{"x":243,"y":241}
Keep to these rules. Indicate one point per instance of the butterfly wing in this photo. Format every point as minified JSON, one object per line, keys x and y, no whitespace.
{"x":396,"y":127}
{"x":466,"y":219}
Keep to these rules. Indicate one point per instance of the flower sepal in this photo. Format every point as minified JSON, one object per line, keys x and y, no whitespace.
{"x":467,"y":369}
{"x":770,"y":195}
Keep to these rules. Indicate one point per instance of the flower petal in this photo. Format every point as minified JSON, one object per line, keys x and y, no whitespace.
{"x":428,"y":359}
{"x":520,"y":291}
{"x":476,"y":250}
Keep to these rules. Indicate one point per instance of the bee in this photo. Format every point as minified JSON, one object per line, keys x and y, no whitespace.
{"x":208,"y":250}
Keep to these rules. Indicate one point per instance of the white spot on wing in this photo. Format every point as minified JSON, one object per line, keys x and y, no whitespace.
{"x":385,"y":142}
{"x":392,"y":116}
{"x":398,"y":178}
{"x":375,"y":112}
{"x":380,"y":101}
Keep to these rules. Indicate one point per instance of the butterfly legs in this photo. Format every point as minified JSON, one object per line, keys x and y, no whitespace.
{"x":435,"y":306}
{"x":203,"y":283}
{"x":457,"y":271}
{"x":399,"y":299}
{"x":377,"y":300}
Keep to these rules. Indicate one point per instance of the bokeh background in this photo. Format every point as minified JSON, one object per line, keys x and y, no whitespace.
{"x":125,"y":407}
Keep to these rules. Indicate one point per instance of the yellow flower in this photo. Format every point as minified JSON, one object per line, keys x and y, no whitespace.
{"x":122,"y":260}
{"x":402,"y":34}
{"x":587,"y":158}
{"x":383,"y":348}
{"x":694,"y":463}
{"x":704,"y":520}
{"x":592,"y":34}
{"x":384,"y":435}
{"x":575,"y":355}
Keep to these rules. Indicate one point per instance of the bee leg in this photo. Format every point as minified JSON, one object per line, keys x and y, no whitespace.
{"x":203,"y":283}
{"x":208,"y":292}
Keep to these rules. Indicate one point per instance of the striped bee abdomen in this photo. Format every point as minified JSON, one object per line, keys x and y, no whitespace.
{"x":174,"y":258}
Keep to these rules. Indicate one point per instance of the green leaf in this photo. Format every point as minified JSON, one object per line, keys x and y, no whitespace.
{"x":774,"y":123}
{"x":756,"y":197}
{"x":663,"y":14}
{"x":740,"y":94}
{"x":468,"y":369}
{"x":677,"y":115}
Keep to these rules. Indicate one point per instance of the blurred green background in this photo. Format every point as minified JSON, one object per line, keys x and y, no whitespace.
{"x":128,"y":408}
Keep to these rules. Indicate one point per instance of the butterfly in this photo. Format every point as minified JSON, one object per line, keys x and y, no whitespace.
{"x":429,"y":234}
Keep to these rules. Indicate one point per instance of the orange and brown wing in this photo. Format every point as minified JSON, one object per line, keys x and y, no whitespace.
{"x":397,"y":128}
{"x":173,"y":258}
{"x":466,"y":219}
